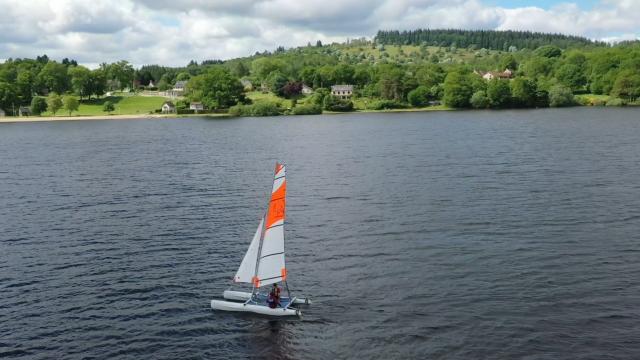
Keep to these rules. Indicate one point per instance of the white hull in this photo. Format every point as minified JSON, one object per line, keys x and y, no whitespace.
{"x":258,"y":309}
{"x":244,"y":296}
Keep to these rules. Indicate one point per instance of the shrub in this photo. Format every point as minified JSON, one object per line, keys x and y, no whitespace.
{"x":38,"y":105}
{"x":479,"y":100}
{"x":616,"y":102}
{"x":387,"y":104}
{"x":262,"y":108}
{"x":419,"y":96}
{"x":560,"y":95}
{"x":307,"y":109}
{"x":333,"y":103}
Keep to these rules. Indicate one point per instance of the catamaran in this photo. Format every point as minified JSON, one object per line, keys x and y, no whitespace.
{"x":263,"y":264}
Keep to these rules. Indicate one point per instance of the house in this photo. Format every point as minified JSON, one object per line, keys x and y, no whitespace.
{"x":248,"y":86}
{"x":178,"y":89}
{"x":168,"y":107}
{"x":306,"y":90}
{"x":342,"y":91}
{"x":24,"y":111}
{"x":151,"y":84}
{"x":490,"y":75}
{"x":2,"y":113}
{"x":196,"y":106}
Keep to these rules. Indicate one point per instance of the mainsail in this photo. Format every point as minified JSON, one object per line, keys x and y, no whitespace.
{"x":263,"y":264}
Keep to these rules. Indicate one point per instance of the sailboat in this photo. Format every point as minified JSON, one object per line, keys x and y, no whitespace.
{"x":263,"y":264}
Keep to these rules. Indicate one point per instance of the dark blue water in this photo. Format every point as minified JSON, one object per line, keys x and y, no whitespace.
{"x":462,"y":235}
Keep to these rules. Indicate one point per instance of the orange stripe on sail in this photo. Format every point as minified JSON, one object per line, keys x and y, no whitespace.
{"x":277,"y":205}
{"x":283,"y":273}
{"x":278,"y":167}
{"x":256,"y":281}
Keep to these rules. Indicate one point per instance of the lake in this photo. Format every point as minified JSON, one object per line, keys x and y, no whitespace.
{"x":440,"y":235}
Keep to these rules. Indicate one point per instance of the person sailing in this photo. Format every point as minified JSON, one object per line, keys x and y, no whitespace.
{"x":273,"y":300}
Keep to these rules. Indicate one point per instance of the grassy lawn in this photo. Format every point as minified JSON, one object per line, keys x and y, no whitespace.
{"x":124,"y":105}
{"x":257,"y":96}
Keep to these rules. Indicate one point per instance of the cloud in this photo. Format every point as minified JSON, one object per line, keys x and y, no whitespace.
{"x":172,"y":32}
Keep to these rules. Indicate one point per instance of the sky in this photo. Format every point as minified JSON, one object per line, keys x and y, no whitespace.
{"x":173,"y":32}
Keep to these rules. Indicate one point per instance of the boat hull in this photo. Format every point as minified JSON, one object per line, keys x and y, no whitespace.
{"x":244,"y":296}
{"x":257,"y":309}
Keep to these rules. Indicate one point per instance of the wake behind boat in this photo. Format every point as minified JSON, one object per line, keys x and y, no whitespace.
{"x":263,"y":264}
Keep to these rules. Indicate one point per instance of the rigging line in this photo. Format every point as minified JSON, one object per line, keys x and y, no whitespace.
{"x":278,"y":253}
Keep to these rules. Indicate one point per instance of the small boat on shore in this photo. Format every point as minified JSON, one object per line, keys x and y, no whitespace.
{"x":263,"y":264}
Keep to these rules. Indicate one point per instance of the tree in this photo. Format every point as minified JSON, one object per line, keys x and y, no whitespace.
{"x":108,"y":107}
{"x":479,"y":100}
{"x":216,"y":88}
{"x":419,"y":96}
{"x":508,"y":62}
{"x":71,"y":104}
{"x":627,"y":86}
{"x":572,"y":76}
{"x":123,"y":72}
{"x":38,"y":105}
{"x":80,"y":80}
{"x":457,"y":90}
{"x":499,"y":93}
{"x":523,"y":92}
{"x":54,"y":103}
{"x":548,"y":51}
{"x":53,"y":76}
{"x":276,"y":82}
{"x":291,"y":89}
{"x":560,"y":95}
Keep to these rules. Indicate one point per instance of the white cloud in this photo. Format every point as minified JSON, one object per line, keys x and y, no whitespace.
{"x":172,"y":32}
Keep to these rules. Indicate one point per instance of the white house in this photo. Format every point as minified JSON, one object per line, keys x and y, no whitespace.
{"x":196,"y":106}
{"x":178,"y":89}
{"x":306,"y":90}
{"x":342,"y":91}
{"x":168,"y":107}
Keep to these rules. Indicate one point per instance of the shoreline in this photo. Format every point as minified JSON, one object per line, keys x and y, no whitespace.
{"x":28,"y":119}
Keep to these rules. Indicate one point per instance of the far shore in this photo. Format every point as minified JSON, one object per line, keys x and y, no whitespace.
{"x":11,"y":119}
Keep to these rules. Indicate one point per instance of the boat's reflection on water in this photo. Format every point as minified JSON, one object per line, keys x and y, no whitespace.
{"x":272,"y":339}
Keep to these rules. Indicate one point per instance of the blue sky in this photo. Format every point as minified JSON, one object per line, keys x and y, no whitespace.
{"x":172,"y":32}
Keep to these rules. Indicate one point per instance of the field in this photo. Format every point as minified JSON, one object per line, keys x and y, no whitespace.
{"x":124,"y":105}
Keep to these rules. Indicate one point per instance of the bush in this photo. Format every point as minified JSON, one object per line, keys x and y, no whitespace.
{"x":419,"y":96}
{"x":262,"y":108}
{"x":560,"y":95}
{"x":616,"y":102}
{"x":38,"y":105}
{"x":307,"y":109}
{"x":387,"y":104}
{"x":479,"y":100}
{"x":333,"y":103}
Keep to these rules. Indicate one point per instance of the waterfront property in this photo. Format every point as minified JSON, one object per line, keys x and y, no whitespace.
{"x":168,"y":107}
{"x":196,"y":106}
{"x":342,"y":91}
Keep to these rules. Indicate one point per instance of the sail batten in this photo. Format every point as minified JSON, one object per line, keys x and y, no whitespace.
{"x":264,"y":263}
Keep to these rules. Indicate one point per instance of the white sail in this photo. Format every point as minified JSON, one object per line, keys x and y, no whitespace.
{"x":247,"y":269}
{"x":263,"y":264}
{"x":271,"y":267}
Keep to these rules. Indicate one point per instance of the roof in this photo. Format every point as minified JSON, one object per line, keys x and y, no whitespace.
{"x":180,"y":84}
{"x":342,"y":88}
{"x":196,"y":103}
{"x":168,"y":103}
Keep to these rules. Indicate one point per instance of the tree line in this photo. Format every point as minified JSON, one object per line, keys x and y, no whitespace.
{"x":489,"y":39}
